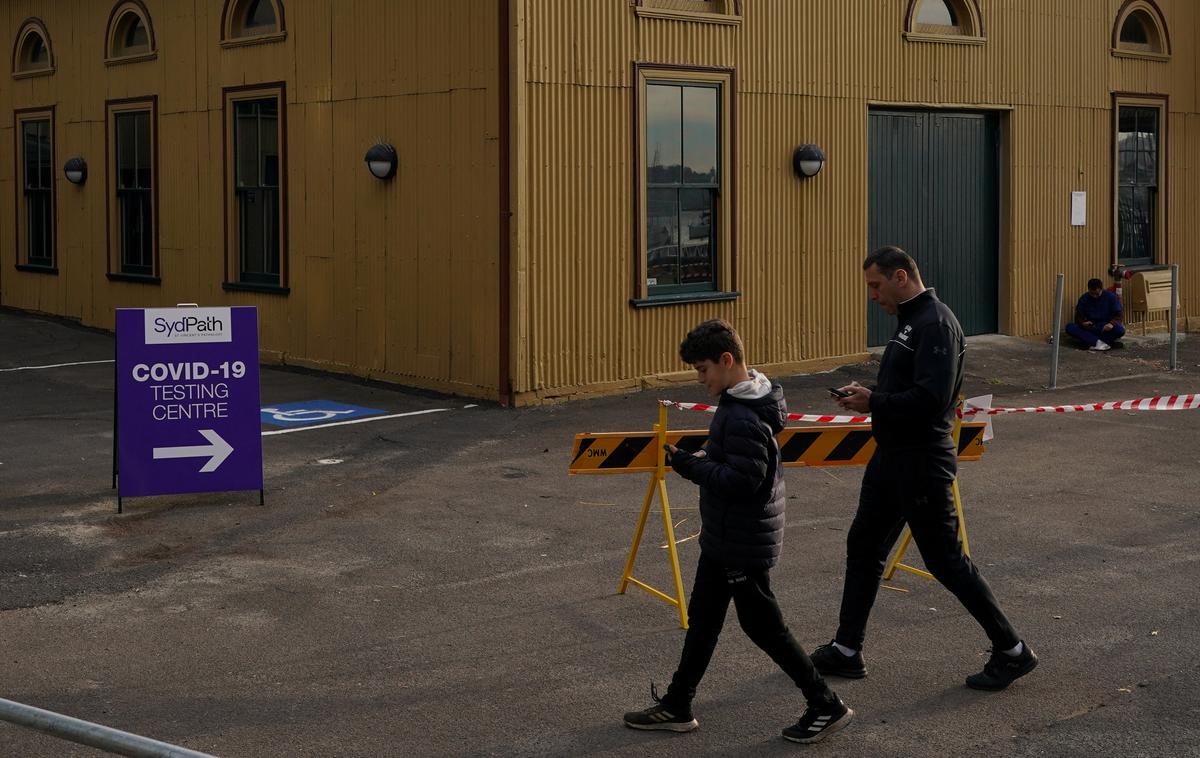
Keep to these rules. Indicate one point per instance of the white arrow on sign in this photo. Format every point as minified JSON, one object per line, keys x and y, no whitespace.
{"x":217,"y":451}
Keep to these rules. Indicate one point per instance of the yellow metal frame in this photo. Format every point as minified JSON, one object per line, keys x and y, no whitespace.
{"x":658,"y":483}
{"x":895,"y":563}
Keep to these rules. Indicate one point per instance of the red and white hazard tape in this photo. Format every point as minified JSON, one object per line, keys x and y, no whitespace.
{"x":1161,"y":403}
{"x":982,"y":406}
{"x":809,"y":417}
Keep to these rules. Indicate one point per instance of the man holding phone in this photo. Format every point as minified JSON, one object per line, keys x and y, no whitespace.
{"x":909,"y":478}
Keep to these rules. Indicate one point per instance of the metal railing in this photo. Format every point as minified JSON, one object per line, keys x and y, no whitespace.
{"x":93,"y":735}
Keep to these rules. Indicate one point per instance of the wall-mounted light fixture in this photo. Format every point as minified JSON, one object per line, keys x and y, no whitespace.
{"x":381,"y":160}
{"x":75,"y":170}
{"x":807,"y":161}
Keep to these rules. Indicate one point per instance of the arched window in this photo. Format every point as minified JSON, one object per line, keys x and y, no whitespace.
{"x":130,"y":33}
{"x":944,"y":21}
{"x":32,"y":55}
{"x":260,"y":15}
{"x":1141,"y":31}
{"x":248,"y":21}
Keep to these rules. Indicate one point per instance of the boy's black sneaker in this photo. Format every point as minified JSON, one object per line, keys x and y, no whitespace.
{"x":660,"y":718}
{"x":832,"y":662}
{"x":818,"y":722}
{"x":1002,"y":670}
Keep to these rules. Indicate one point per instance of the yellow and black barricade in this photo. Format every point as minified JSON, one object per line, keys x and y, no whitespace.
{"x":961,"y":430}
{"x":642,"y":452}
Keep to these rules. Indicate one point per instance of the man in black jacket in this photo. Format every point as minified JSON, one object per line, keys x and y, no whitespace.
{"x":909,"y":479}
{"x":742,"y":502}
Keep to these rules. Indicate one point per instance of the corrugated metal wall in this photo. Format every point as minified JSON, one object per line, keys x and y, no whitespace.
{"x":401,"y":280}
{"x":396,"y":281}
{"x":808,"y":72}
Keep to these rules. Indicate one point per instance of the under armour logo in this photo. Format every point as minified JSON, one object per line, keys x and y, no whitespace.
{"x":939,"y":350}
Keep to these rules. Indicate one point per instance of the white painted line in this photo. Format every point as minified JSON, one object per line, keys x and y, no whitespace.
{"x":53,"y":365}
{"x":354,"y":421}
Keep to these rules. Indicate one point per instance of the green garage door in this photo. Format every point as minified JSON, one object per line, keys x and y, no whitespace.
{"x":934,"y":188}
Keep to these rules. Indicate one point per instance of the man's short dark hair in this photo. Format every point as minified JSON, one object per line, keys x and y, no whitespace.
{"x":891,"y":259}
{"x":709,"y":340}
{"x":1095,"y":284}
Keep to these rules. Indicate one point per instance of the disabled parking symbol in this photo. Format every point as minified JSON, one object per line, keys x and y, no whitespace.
{"x":313,"y":412}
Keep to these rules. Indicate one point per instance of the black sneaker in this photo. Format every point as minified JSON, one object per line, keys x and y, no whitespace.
{"x":818,"y":722}
{"x":660,"y":718}
{"x":832,"y":662}
{"x":1002,"y":670}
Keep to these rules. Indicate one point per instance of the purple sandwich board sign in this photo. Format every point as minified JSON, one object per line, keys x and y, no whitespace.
{"x":187,"y":401}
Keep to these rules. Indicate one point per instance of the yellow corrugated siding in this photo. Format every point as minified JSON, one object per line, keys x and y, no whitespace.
{"x":808,"y":72}
{"x":401,"y":281}
{"x":397,"y":281}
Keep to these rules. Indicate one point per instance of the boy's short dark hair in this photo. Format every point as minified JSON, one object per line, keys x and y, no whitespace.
{"x":890,"y":259}
{"x":1095,"y":284}
{"x":709,"y":340}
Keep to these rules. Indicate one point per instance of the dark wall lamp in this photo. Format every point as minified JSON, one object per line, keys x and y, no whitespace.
{"x":807,"y":161}
{"x":381,"y":160}
{"x":75,"y":170}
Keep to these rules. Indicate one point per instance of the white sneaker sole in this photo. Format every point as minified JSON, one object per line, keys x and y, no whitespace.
{"x":666,"y":726}
{"x":833,"y":728}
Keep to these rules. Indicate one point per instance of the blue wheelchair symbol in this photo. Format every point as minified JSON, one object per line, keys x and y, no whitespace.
{"x":313,"y":412}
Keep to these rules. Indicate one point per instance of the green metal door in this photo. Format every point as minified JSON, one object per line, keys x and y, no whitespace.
{"x":934,"y":189}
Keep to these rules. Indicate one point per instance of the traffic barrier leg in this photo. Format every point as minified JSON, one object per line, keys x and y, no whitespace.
{"x":895,"y":563}
{"x":658,"y":483}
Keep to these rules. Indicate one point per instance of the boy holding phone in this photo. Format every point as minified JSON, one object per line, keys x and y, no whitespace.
{"x":742,"y":500}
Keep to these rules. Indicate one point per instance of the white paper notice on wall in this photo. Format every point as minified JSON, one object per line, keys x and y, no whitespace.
{"x":1078,"y":209}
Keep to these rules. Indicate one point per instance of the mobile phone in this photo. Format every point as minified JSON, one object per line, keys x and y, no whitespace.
{"x":838,"y":393}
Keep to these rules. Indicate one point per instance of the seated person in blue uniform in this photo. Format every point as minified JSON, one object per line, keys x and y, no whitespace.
{"x":1097,"y":317}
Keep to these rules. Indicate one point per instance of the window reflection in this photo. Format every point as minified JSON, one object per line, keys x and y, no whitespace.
{"x":39,"y":55}
{"x":699,"y":135}
{"x":39,"y":221}
{"x":134,"y":210}
{"x":683,"y":175}
{"x":256,"y":161}
{"x":136,"y":38}
{"x":664,"y":148}
{"x":1137,"y":180}
{"x":260,"y":14}
{"x":936,"y":13}
{"x":1134,"y":31}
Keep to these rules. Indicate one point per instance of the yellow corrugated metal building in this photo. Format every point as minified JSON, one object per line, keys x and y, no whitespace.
{"x":578,"y":182}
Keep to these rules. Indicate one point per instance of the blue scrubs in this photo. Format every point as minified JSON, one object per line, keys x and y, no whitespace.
{"x":1098,"y":310}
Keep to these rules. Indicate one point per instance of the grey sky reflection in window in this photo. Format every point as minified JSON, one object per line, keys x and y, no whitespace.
{"x":936,"y":13}
{"x":664,"y":149}
{"x":699,"y":135}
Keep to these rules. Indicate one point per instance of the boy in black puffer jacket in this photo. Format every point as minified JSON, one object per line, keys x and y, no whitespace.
{"x":742,"y":501}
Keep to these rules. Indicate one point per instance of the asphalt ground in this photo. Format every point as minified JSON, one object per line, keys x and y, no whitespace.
{"x":436,"y":585}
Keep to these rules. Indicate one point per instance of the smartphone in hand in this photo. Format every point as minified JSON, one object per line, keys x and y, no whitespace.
{"x":838,"y":393}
